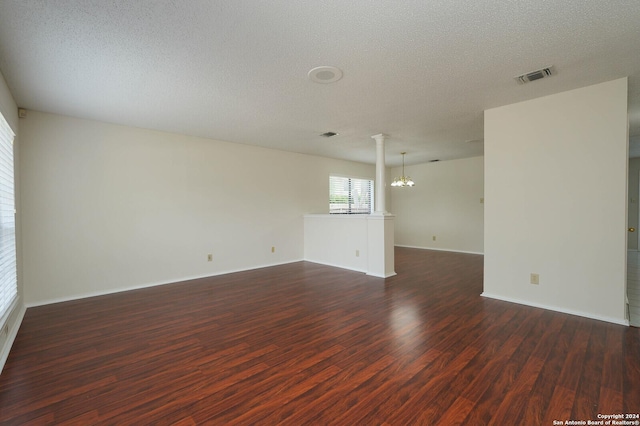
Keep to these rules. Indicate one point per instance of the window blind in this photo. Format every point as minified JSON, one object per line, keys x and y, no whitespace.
{"x":350,"y":195}
{"x":8,"y":281}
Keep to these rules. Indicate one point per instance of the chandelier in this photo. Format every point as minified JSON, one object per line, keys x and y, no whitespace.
{"x":402,"y":180}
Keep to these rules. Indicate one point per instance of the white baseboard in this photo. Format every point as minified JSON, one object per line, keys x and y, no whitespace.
{"x":557,"y":309}
{"x":138,"y":287}
{"x":382,"y":276}
{"x":439,"y":249}
{"x":336,"y":266}
{"x":11,"y":337}
{"x":364,"y":271}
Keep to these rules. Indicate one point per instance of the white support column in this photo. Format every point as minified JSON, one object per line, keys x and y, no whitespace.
{"x":380,"y":227}
{"x":380,"y":247}
{"x":380,"y":202}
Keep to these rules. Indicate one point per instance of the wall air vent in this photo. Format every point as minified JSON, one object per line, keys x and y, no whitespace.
{"x":328,"y":134}
{"x":535,"y":75}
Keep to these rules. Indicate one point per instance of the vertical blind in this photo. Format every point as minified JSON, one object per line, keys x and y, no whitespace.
{"x":8,"y":281}
{"x":350,"y":195}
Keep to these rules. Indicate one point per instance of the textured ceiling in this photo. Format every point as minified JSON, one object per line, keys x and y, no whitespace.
{"x":420,"y":71}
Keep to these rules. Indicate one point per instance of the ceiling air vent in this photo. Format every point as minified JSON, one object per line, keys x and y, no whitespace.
{"x":535,"y":75}
{"x":328,"y":134}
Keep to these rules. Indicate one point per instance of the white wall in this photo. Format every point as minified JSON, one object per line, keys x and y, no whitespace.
{"x":633,"y":202}
{"x":555,"y":192}
{"x":445,"y":203}
{"x":109,"y":208}
{"x":9,"y":111}
{"x":337,"y":240}
{"x":362,"y":243}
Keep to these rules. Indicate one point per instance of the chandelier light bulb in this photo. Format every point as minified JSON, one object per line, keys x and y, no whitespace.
{"x":403,"y":180}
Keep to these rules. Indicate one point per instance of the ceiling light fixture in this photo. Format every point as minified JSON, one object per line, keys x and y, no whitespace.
{"x":402,"y":180}
{"x":325,"y":74}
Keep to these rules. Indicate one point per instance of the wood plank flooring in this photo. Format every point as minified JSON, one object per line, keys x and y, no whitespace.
{"x":633,"y":287}
{"x":306,"y":344}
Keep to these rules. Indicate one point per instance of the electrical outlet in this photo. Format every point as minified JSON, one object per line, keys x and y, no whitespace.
{"x":357,"y":253}
{"x":434,"y":238}
{"x":273,"y":249}
{"x":210,"y":257}
{"x":535,"y":279}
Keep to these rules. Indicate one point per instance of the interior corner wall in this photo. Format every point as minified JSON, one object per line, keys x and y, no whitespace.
{"x":633,"y":202}
{"x":108,"y":208}
{"x":555,"y":201}
{"x":445,"y":203}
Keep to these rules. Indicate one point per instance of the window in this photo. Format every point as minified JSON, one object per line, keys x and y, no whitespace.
{"x":8,"y":282}
{"x":350,"y":196}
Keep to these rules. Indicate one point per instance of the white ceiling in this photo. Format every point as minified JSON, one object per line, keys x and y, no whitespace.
{"x":421,"y":72}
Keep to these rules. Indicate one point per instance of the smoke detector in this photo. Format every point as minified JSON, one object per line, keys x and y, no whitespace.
{"x":535,"y":75}
{"x":325,"y":74}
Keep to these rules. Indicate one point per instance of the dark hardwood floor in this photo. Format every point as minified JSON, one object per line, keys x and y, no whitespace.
{"x":304,"y":344}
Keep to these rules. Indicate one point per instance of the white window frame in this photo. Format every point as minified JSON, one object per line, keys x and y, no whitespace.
{"x":8,"y":272}
{"x":354,"y":200}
